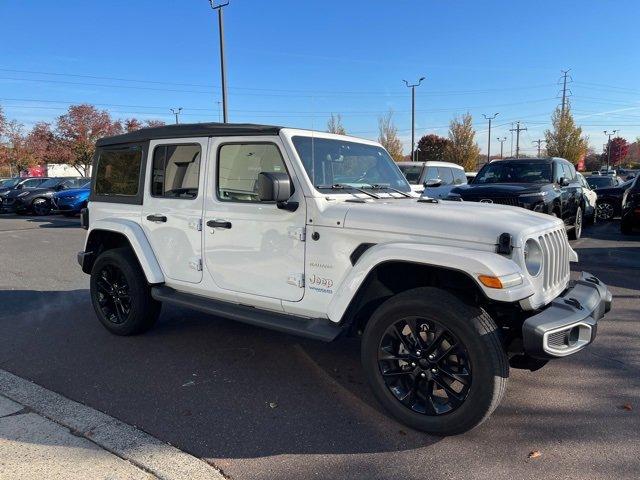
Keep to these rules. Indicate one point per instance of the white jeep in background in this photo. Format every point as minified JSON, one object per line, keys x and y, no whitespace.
{"x":319,"y":235}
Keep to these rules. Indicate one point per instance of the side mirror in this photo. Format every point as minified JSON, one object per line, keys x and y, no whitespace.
{"x":433,"y":182}
{"x":563,"y":182}
{"x":19,"y":186}
{"x":274,"y":187}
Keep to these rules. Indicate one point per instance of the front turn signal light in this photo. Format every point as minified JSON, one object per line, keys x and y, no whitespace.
{"x":504,"y":281}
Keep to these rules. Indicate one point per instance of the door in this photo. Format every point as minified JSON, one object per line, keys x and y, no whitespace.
{"x":172,"y":208}
{"x":252,"y":246}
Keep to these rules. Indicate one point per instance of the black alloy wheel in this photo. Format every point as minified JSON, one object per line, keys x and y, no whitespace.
{"x":113,"y":295}
{"x":424,"y":365}
{"x":605,"y":210}
{"x":41,"y":206}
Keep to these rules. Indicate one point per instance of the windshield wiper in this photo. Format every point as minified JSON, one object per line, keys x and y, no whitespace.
{"x":342,"y":186}
{"x":378,"y":186}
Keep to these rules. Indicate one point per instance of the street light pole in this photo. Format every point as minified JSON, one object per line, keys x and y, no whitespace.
{"x":501,"y":140}
{"x":609,"y":134}
{"x":413,"y":114}
{"x":223,"y":74}
{"x":176,"y":112}
{"x":489,"y":141}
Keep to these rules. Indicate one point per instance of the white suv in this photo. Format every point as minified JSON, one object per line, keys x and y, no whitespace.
{"x":318,"y":235}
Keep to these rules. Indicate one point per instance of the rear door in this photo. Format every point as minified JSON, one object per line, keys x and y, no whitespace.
{"x":172,"y":208}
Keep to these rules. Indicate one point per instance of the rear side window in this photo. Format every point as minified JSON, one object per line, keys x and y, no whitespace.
{"x":176,"y":171}
{"x":459,"y":177}
{"x":118,"y":172}
{"x":33,"y":183}
{"x":239,"y":166}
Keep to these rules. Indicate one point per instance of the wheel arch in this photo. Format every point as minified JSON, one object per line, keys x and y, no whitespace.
{"x":107,"y":235}
{"x":388,"y":269}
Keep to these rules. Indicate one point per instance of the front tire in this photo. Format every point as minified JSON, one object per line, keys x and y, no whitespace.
{"x":576,"y":232}
{"x":605,"y":210}
{"x":435,"y":363}
{"x":120,"y":294}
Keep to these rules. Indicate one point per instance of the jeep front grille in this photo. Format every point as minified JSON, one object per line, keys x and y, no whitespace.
{"x":555,"y":250}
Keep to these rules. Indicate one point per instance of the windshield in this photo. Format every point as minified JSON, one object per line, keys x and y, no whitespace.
{"x":12,"y":182}
{"x":600,"y":182}
{"x":331,"y":162}
{"x":412,"y":173}
{"x":519,"y":171}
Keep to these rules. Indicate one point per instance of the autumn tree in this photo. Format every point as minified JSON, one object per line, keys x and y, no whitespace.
{"x":619,"y":148}
{"x":432,"y":147}
{"x":388,"y":136}
{"x":334,"y":125}
{"x":77,"y":132}
{"x":463,"y":148}
{"x":14,"y":151}
{"x":565,"y":139}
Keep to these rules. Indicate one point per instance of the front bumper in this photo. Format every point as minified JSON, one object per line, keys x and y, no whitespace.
{"x":570,"y":321}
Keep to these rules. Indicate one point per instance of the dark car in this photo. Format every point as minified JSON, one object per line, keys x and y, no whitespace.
{"x":39,"y":200}
{"x":609,"y":203}
{"x":17,"y":183}
{"x":631,"y":208}
{"x":603,"y":181}
{"x":546,"y":185}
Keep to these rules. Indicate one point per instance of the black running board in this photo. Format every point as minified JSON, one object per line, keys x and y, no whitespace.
{"x":315,"y":328}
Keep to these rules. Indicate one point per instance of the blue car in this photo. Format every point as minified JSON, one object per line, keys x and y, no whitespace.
{"x":70,"y":202}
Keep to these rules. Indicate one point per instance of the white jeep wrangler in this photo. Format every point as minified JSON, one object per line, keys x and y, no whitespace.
{"x":319,"y":235}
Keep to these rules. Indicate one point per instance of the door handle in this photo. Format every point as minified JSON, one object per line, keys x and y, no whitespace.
{"x":156,"y":218}
{"x":218,"y":224}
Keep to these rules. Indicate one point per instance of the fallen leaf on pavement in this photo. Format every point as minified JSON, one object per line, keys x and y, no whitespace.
{"x":273,"y":404}
{"x":627,"y":407}
{"x":535,"y":454}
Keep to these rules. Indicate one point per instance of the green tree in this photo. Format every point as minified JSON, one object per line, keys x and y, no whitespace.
{"x":334,"y":125}
{"x":565,"y":139}
{"x":463,"y":148}
{"x":432,"y":147}
{"x":388,"y":136}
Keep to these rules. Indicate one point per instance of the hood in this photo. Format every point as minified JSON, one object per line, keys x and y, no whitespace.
{"x":448,"y":221}
{"x":32,"y":191}
{"x":509,"y":189}
{"x":73,"y":191}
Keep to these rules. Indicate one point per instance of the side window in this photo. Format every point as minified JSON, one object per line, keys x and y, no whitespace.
{"x":239,"y":166}
{"x":445,"y":175}
{"x":459,"y":177}
{"x":571,"y":171}
{"x":118,"y":172}
{"x":176,"y":171}
{"x":32,"y":183}
{"x":432,"y":174}
{"x":558,"y":172}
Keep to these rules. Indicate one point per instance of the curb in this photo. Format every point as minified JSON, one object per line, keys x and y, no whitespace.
{"x":125,"y":441}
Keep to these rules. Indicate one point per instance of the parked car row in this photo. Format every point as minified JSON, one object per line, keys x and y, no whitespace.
{"x":42,"y":195}
{"x":546,"y":185}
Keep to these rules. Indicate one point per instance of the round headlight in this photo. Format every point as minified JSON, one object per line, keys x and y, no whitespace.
{"x":533,"y":257}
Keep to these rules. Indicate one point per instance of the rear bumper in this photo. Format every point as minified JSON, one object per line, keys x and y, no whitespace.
{"x":570,"y":322}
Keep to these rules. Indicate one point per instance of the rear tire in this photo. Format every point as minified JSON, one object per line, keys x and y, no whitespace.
{"x":420,"y":339}
{"x":120,"y":294}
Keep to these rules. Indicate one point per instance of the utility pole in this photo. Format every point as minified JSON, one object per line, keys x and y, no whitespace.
{"x":565,"y":76}
{"x":538,"y":142}
{"x":222,"y":64}
{"x":511,"y":148}
{"x":413,"y":114}
{"x":518,"y":129}
{"x":176,"y":112}
{"x":489,"y":141}
{"x":609,"y":135}
{"x":501,"y":140}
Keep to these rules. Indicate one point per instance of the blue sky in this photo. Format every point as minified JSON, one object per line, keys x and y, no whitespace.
{"x":294,"y":62}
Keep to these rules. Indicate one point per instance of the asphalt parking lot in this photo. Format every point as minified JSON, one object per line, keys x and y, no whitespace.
{"x":259,"y":404}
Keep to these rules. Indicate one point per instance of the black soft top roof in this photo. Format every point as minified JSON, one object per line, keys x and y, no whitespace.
{"x":190,"y":130}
